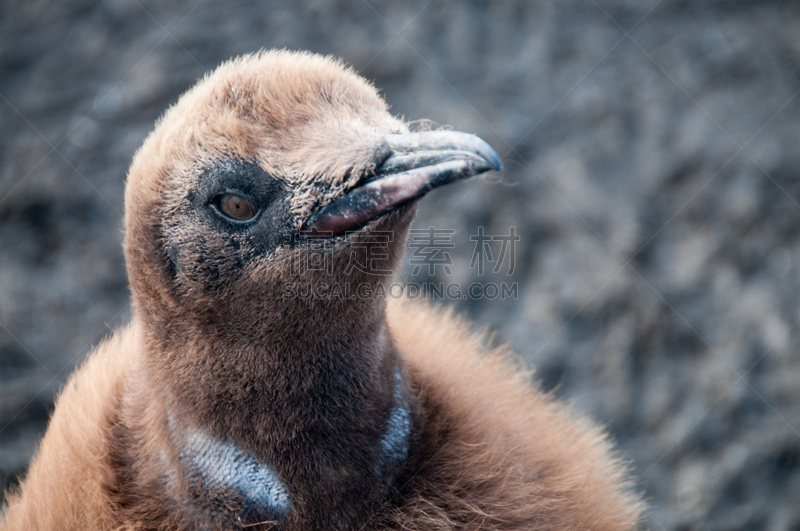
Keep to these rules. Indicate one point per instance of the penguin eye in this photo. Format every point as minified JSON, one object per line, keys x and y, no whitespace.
{"x":235,"y":206}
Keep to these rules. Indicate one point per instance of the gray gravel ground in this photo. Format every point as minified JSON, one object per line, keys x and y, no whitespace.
{"x":652,"y":155}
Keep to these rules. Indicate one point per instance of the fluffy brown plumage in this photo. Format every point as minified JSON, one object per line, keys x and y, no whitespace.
{"x":300,"y":387}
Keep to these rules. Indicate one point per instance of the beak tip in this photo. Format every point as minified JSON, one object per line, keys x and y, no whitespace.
{"x":495,"y":162}
{"x":486,"y":152}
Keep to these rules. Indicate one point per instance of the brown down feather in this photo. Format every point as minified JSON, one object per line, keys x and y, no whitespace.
{"x":305,"y":385}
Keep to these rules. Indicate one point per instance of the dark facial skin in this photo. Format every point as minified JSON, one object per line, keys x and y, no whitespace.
{"x":271,"y":225}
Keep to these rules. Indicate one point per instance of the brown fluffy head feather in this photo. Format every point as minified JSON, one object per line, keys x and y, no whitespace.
{"x":306,"y":119}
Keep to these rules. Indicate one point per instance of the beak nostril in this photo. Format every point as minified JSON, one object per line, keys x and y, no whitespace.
{"x":383,"y":154}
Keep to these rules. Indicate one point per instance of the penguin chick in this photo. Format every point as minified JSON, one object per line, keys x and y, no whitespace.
{"x":244,"y":395}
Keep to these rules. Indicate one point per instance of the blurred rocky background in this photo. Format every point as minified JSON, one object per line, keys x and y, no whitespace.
{"x":652,"y":153}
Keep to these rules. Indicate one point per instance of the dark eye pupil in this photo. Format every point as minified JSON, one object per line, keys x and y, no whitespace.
{"x":236,"y":206}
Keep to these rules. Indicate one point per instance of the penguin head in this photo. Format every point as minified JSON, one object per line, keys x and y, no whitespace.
{"x":267,"y":160}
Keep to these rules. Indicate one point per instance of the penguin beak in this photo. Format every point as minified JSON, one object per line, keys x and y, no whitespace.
{"x":418,"y":163}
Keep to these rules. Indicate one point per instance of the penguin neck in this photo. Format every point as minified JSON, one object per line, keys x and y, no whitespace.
{"x":320,"y":402}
